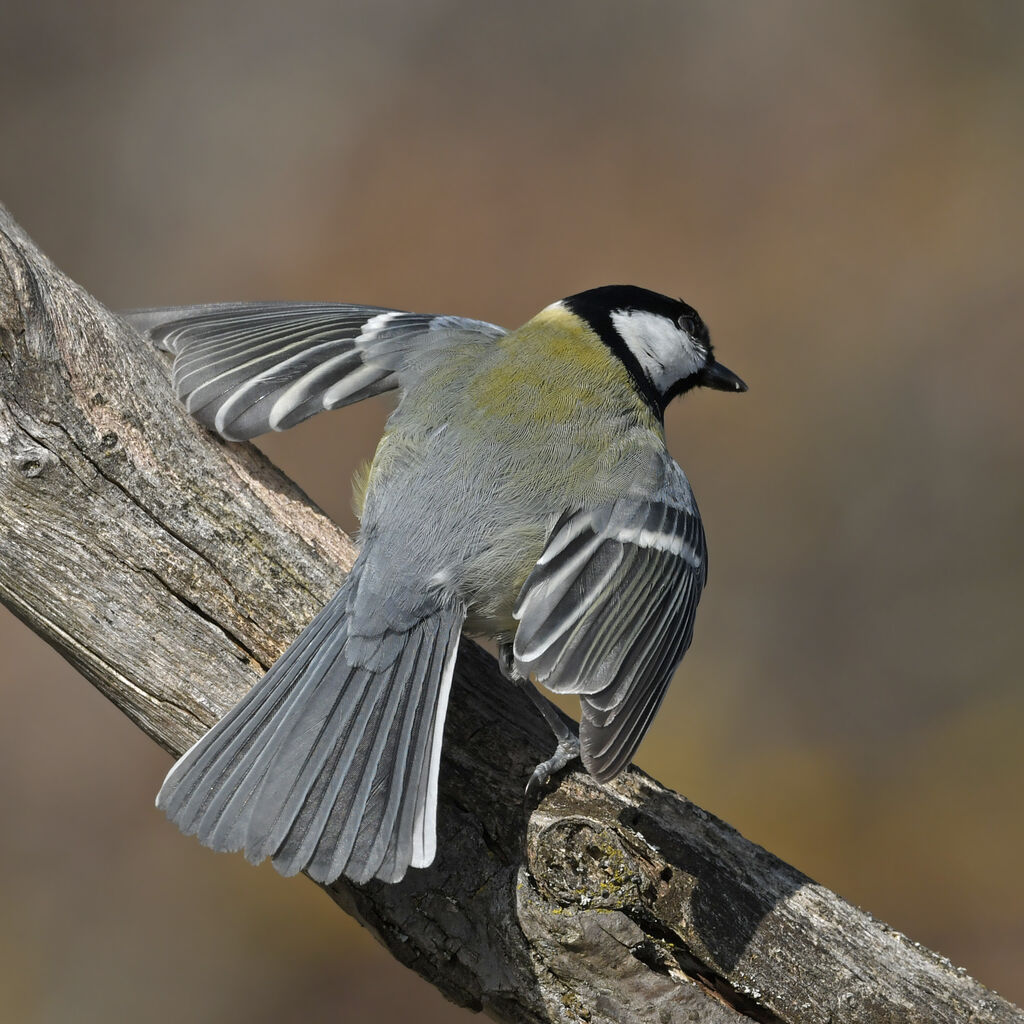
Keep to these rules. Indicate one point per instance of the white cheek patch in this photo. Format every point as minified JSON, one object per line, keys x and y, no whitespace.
{"x":665,"y":351}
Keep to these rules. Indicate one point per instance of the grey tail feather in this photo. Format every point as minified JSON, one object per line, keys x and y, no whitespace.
{"x":326,"y":766}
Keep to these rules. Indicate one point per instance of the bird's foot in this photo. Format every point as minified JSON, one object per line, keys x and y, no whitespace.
{"x":568,"y":750}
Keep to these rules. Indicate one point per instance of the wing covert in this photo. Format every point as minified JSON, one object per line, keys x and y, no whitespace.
{"x":608,"y":613}
{"x":245,"y":368}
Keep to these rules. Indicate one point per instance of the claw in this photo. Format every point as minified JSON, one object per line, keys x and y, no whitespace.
{"x":567,"y":750}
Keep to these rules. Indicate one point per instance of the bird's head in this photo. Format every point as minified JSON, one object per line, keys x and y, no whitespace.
{"x":662,"y":341}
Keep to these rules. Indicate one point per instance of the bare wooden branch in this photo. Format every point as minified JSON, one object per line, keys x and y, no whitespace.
{"x":172,"y":569}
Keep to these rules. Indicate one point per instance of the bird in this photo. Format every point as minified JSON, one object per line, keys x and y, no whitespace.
{"x":522,"y":491}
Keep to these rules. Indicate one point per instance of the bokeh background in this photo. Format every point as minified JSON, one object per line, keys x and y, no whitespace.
{"x":837,"y":187}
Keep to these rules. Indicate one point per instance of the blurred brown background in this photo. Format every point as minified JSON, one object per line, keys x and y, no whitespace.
{"x":837,"y":187}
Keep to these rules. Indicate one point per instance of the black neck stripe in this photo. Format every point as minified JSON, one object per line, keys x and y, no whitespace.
{"x":600,"y":322}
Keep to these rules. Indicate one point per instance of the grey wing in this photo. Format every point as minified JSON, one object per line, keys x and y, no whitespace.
{"x":608,"y":613}
{"x":243,"y":369}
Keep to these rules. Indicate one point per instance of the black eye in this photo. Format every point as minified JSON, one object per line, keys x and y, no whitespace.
{"x":689,"y":324}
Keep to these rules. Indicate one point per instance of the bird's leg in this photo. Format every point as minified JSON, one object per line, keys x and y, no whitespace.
{"x":568,"y":748}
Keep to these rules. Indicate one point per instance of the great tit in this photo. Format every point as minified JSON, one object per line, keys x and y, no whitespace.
{"x":522,"y":491}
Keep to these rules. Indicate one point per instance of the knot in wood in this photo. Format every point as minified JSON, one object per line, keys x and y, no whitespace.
{"x":32,"y":460}
{"x":581,"y":863}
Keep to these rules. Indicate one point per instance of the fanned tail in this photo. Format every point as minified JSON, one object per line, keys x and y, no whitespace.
{"x":327,"y":766}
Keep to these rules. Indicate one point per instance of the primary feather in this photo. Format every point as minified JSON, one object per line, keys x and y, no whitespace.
{"x":608,"y":612}
{"x":244,"y":368}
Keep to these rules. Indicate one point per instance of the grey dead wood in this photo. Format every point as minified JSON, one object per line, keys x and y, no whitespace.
{"x":171,"y":569}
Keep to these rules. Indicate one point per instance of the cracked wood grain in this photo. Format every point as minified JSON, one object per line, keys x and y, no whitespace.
{"x":171,"y":569}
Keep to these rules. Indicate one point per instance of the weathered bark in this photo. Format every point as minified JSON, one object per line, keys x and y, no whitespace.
{"x":171,"y":569}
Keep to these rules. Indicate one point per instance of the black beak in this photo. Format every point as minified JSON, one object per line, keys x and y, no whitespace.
{"x":719,"y":377}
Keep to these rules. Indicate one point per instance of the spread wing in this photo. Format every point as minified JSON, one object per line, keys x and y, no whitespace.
{"x":245,"y":368}
{"x":608,"y":613}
